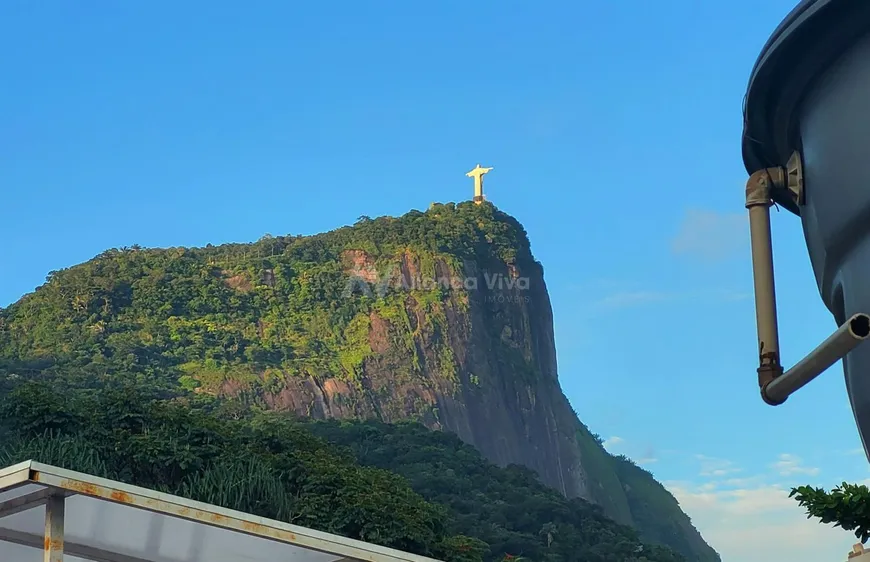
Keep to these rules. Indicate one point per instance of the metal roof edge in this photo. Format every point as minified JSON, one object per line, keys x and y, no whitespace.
{"x":209,"y":514}
{"x":15,"y":475}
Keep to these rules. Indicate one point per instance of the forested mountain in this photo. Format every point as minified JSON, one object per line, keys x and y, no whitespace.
{"x":440,"y":318}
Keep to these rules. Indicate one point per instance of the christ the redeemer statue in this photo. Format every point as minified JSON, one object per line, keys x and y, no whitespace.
{"x":477,"y":173}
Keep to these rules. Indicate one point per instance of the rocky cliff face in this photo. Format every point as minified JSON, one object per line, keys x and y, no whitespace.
{"x":479,"y":362}
{"x":442,"y":317}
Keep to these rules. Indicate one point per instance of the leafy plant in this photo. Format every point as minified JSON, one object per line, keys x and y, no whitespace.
{"x":846,"y":506}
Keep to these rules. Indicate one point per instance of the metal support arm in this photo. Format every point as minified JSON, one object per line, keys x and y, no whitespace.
{"x":775,"y":385}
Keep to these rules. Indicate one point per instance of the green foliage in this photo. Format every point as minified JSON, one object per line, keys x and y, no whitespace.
{"x":846,"y":506}
{"x":217,"y":318}
{"x":356,"y":346}
{"x":440,"y":499}
{"x":657,"y":514}
{"x":507,"y":508}
{"x":599,"y":467}
{"x":262,"y":465}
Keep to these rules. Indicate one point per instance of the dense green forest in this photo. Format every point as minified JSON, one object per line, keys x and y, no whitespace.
{"x":443,"y":500}
{"x":254,"y":314}
{"x":190,"y":326}
{"x":506,"y":507}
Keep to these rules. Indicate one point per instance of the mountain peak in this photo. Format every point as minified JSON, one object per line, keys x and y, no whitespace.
{"x":440,"y":317}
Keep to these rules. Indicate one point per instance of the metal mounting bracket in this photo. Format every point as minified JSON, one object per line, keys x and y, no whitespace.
{"x":794,"y":179}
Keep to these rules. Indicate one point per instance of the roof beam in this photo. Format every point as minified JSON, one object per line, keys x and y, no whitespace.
{"x":25,"y":502}
{"x":73,"y":549}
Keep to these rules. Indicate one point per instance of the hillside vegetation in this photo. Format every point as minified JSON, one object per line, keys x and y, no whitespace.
{"x":464,"y":509}
{"x":282,"y":329}
{"x":253,"y":314}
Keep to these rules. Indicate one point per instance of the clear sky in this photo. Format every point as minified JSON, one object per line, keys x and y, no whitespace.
{"x":614,"y":133}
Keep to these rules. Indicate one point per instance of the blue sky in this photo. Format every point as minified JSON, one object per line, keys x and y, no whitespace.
{"x":614,"y":133}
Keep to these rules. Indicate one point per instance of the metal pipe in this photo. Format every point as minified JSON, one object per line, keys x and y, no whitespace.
{"x":758,"y":202}
{"x":762,"y":273}
{"x":775,"y":386}
{"x":840,"y":343}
